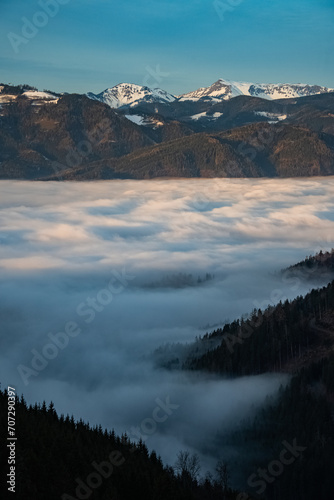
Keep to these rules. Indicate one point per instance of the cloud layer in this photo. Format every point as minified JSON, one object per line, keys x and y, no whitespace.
{"x":91,"y":254}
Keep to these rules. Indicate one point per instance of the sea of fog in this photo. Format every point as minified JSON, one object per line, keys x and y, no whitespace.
{"x":103,"y":267}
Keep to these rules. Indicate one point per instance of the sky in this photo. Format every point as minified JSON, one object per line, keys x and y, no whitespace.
{"x":67,"y":246}
{"x":177,"y":45}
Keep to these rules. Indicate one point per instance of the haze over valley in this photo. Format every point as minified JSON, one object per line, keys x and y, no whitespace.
{"x":111,"y":257}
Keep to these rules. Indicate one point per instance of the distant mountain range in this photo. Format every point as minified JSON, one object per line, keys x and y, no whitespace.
{"x":225,"y":89}
{"x":127,"y":94}
{"x":229,"y":129}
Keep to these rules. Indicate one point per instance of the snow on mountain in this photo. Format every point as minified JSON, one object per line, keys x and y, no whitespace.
{"x":199,"y":116}
{"x":125,"y":94}
{"x":286,"y":90}
{"x":144,"y":121}
{"x":220,"y":90}
{"x":5,"y":98}
{"x":225,"y":90}
{"x":35,"y":96}
{"x":272,"y":117}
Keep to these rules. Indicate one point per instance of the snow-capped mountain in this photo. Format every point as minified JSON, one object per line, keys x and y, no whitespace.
{"x":129,"y":94}
{"x":7,"y":95}
{"x":225,"y":90}
{"x":220,"y":90}
{"x":125,"y":94}
{"x":286,"y":90}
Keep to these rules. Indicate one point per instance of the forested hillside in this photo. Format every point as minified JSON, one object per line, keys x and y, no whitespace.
{"x":57,"y":457}
{"x":302,"y":417}
{"x":314,"y":265}
{"x":296,"y":337}
{"x":281,"y":338}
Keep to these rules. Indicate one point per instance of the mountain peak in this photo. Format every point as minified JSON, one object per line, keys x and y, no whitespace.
{"x":226,"y":89}
{"x":129,"y":94}
{"x":221,"y":90}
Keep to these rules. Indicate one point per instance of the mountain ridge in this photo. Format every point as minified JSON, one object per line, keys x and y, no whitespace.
{"x":225,"y":89}
{"x":128,"y":94}
{"x":44,"y":135}
{"x":131,"y":94}
{"x":236,"y":153}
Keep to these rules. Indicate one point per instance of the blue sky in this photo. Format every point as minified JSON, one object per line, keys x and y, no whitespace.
{"x":89,"y":45}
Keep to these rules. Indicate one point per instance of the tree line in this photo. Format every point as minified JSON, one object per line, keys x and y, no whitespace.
{"x":61,"y":458}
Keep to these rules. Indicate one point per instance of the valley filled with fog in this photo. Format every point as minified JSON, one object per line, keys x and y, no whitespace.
{"x":121,"y":268}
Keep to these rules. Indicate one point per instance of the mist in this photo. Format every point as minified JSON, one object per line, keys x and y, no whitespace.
{"x":114,"y":270}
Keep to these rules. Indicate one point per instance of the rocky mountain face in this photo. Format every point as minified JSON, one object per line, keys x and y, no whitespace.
{"x":127,"y":94}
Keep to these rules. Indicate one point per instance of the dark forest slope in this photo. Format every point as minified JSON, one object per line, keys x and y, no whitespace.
{"x":57,"y":457}
{"x":281,"y":338}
